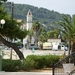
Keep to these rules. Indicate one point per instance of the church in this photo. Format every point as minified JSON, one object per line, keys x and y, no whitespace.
{"x":28,"y":27}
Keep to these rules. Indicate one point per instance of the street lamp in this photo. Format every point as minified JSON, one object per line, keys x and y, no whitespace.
{"x":0,"y":57}
{"x":2,"y":22}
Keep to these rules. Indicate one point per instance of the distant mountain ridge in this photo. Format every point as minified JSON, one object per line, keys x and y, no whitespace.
{"x":43,"y":15}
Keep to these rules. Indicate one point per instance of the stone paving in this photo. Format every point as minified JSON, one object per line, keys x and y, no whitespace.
{"x":24,"y":73}
{"x":28,"y":73}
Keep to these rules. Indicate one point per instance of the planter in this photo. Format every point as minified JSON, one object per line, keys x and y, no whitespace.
{"x":68,"y":67}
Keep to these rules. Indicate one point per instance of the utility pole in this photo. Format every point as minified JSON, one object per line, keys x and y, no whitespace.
{"x":12,"y":15}
{"x":12,"y":11}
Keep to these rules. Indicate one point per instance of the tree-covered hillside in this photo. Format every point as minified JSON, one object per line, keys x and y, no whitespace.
{"x":43,"y":15}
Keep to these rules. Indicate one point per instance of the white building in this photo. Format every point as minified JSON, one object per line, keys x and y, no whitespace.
{"x":28,"y":27}
{"x":55,"y":43}
{"x":29,"y":20}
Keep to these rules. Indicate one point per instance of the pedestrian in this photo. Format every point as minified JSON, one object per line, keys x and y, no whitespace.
{"x":64,"y":53}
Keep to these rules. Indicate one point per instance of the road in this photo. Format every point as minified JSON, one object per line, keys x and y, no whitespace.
{"x":7,"y":53}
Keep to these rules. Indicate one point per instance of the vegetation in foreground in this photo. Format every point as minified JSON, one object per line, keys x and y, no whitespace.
{"x":30,"y":63}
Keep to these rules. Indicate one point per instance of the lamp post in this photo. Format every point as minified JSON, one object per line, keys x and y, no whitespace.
{"x":2,"y":22}
{"x":0,"y":58}
{"x":12,"y":15}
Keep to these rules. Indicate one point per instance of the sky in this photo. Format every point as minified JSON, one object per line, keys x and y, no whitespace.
{"x":61,"y":6}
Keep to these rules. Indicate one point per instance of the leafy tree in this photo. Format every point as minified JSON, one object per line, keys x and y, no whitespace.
{"x":11,"y":30}
{"x":53,"y":33}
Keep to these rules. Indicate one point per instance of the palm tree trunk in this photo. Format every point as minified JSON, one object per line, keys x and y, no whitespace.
{"x":12,"y":45}
{"x":73,"y":51}
{"x":73,"y":47}
{"x":69,"y":46}
{"x":36,"y":37}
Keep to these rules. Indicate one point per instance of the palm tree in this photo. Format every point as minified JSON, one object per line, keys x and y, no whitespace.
{"x":30,"y":34}
{"x":36,"y":27}
{"x":42,"y":35}
{"x":68,"y":26}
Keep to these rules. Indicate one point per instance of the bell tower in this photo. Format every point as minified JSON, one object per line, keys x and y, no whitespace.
{"x":29,"y":20}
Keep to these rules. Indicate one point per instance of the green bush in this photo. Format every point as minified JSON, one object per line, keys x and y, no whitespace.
{"x":11,"y":65}
{"x":28,"y":65}
{"x":43,"y":61}
{"x":31,"y":62}
{"x":50,"y":60}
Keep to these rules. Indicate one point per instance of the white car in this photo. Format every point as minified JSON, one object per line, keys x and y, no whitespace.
{"x":64,"y":48}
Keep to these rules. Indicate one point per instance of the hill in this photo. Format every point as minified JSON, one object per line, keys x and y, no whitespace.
{"x":43,"y":15}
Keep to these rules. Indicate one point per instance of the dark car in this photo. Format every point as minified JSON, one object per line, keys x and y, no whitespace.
{"x":34,"y":47}
{"x":19,"y":47}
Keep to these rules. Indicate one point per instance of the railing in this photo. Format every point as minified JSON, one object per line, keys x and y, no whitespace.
{"x":72,"y":72}
{"x":58,"y":67}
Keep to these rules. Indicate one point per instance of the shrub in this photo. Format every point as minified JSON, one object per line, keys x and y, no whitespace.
{"x":39,"y":61}
{"x":31,"y":62}
{"x":11,"y":65}
{"x":52,"y":60}
{"x":28,"y":64}
{"x":43,"y":61}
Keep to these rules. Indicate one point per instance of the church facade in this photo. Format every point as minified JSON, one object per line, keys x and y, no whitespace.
{"x":28,"y":27}
{"x":29,"y":20}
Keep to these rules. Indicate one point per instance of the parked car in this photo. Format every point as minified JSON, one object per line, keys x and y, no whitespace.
{"x":19,"y":47}
{"x":7,"y":48}
{"x":64,"y":48}
{"x":47,"y":45}
{"x":35,"y":47}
